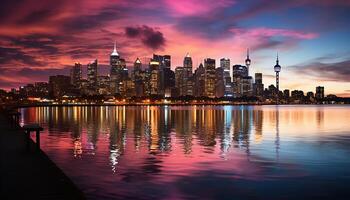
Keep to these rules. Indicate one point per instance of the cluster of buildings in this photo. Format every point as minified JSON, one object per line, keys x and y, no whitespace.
{"x":156,"y":79}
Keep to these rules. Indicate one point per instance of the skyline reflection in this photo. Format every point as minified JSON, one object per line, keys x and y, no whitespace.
{"x":128,"y":145}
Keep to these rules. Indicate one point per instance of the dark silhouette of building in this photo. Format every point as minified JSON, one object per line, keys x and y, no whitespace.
{"x":225,"y":65}
{"x":92,"y":74}
{"x":199,"y":81}
{"x":319,"y":92}
{"x":59,"y":85}
{"x":258,"y":85}
{"x":76,"y":74}
{"x":209,"y":77}
{"x":238,"y":73}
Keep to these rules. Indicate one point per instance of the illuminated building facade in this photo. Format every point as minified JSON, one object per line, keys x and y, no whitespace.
{"x":209,"y":77}
{"x":92,"y":74}
{"x":76,"y":74}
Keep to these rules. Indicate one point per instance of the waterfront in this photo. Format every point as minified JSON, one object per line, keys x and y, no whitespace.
{"x":187,"y":152}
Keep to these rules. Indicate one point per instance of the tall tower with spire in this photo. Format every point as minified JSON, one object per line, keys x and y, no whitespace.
{"x":188,"y":64}
{"x":114,"y":58}
{"x":247,"y":61}
{"x":116,"y":70}
{"x":277,"y":69}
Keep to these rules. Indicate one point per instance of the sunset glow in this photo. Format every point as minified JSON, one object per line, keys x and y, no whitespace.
{"x":42,"y":38}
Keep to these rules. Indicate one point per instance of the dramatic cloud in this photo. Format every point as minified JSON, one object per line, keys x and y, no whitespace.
{"x":41,"y":35}
{"x":338,"y":71}
{"x":16,"y":55}
{"x":196,"y":7}
{"x":150,"y":37}
{"x":212,"y":27}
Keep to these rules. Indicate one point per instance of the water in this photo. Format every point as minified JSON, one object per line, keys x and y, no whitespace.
{"x":200,"y":152}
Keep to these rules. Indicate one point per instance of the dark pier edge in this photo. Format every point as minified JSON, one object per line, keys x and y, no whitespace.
{"x":30,"y":174}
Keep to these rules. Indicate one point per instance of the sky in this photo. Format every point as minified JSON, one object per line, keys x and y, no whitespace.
{"x":42,"y":38}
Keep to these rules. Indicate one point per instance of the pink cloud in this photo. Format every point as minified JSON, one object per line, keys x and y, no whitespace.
{"x":270,"y":32}
{"x":195,"y":7}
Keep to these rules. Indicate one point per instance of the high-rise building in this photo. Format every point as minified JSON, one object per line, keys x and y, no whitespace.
{"x":179,"y":74}
{"x":138,"y":78}
{"x":154,"y":81}
{"x":103,"y":84}
{"x":188,"y":65}
{"x":114,"y":57}
{"x":238,"y":73}
{"x":319,"y":92}
{"x":247,"y":86}
{"x":220,"y":82}
{"x":199,"y":81}
{"x":169,"y":80}
{"x":116,"y":65}
{"x":277,"y":69}
{"x":92,"y":74}
{"x":258,"y":86}
{"x":165,"y":77}
{"x":164,"y":60}
{"x":225,"y":64}
{"x":59,"y":85}
{"x":76,"y":74}
{"x":118,"y":71}
{"x":210,"y":75}
{"x":186,"y":82}
{"x":286,"y":94}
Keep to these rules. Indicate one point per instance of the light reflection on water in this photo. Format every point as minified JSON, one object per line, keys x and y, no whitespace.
{"x":208,"y":152}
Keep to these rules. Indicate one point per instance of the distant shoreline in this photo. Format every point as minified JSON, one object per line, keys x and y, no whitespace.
{"x":160,"y":104}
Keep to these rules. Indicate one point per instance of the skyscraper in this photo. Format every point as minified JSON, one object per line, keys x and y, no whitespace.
{"x":154,"y":78}
{"x":238,"y":73}
{"x":138,"y":78}
{"x":210,"y":75}
{"x":188,"y":64}
{"x":165,"y":77}
{"x":114,"y":57}
{"x":59,"y":85}
{"x":219,"y":83}
{"x":258,"y":85}
{"x":164,"y":60}
{"x":117,"y":73}
{"x":277,"y":69}
{"x":76,"y":74}
{"x":187,"y":76}
{"x":225,"y":65}
{"x":319,"y":92}
{"x":179,"y":74}
{"x":92,"y":74}
{"x":247,"y":83}
{"x":199,"y":81}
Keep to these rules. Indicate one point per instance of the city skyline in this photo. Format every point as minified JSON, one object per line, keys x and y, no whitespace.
{"x":43,"y":40}
{"x":155,"y":82}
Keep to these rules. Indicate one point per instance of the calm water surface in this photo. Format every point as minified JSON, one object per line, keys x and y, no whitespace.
{"x":200,"y":152}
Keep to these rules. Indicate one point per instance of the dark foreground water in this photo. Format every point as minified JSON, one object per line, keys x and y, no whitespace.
{"x":200,"y":152}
